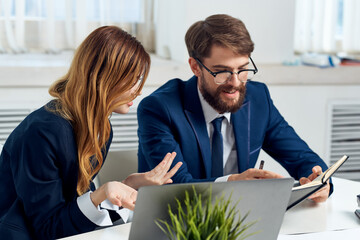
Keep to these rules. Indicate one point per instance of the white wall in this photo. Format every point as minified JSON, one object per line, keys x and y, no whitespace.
{"x":270,"y":23}
{"x":306,"y":108}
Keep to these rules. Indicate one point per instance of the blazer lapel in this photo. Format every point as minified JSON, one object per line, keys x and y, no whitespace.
{"x":241,"y":125}
{"x":195,"y":115}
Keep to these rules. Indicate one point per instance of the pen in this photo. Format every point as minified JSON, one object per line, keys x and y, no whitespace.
{"x":261,"y":164}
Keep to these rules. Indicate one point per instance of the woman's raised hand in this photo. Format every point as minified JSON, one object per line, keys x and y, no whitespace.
{"x":158,"y":176}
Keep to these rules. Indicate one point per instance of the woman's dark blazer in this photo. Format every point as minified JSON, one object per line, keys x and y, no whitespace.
{"x":38,"y":179}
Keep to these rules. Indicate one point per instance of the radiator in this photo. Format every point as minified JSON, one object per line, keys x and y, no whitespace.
{"x":124,"y":127}
{"x":344,"y":137}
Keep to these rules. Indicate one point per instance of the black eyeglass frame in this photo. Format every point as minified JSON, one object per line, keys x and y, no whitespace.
{"x":240,"y":71}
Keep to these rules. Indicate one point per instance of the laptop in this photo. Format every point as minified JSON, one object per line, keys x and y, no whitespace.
{"x":266,"y":200}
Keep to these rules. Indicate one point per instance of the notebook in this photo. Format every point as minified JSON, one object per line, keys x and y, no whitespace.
{"x":265,"y":199}
{"x":301,"y":192}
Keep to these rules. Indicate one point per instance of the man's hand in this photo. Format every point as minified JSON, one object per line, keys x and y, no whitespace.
{"x":321,"y":195}
{"x":158,"y":176}
{"x":252,"y":174}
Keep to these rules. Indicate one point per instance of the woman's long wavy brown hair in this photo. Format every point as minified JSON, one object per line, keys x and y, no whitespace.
{"x":106,"y":65}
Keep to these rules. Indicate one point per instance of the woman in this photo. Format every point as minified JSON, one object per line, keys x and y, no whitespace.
{"x":48,"y":162}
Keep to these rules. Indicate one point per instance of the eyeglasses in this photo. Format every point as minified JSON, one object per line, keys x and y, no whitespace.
{"x":222,"y":77}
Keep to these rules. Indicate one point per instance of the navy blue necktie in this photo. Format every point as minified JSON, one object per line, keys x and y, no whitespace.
{"x":217,"y":169}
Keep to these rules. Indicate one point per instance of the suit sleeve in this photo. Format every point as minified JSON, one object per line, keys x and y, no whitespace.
{"x":284,"y":145}
{"x":38,"y":176}
{"x":157,"y":137}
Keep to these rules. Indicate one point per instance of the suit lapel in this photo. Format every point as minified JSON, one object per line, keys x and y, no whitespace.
{"x":241,"y":125}
{"x":195,"y":115}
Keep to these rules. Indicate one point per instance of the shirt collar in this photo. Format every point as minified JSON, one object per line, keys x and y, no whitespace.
{"x":209,"y":112}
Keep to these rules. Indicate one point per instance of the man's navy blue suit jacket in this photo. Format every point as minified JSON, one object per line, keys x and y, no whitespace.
{"x":171,"y":119}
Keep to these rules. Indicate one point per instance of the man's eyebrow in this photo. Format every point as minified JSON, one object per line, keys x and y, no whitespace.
{"x":227,"y":67}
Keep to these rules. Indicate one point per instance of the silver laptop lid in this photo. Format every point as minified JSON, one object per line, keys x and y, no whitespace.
{"x":266,"y":200}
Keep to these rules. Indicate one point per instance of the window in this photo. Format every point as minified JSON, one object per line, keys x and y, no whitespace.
{"x":327,"y":26}
{"x":54,"y":25}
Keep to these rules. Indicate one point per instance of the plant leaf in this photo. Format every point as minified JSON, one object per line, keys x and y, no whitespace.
{"x":198,"y":218}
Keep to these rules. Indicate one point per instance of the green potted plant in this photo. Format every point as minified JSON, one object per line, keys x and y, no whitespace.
{"x":199,"y":219}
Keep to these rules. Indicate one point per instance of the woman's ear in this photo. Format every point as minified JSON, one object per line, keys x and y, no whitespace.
{"x":195,"y":68}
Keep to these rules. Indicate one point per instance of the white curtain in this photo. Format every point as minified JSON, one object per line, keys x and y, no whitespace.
{"x":53,"y":25}
{"x":327,"y":26}
{"x":12,"y":41}
{"x":351,"y":29}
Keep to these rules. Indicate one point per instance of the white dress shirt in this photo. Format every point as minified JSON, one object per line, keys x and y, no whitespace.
{"x":229,"y":152}
{"x":100,"y":216}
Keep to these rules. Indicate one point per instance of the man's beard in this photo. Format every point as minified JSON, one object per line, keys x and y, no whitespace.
{"x":216,"y":102}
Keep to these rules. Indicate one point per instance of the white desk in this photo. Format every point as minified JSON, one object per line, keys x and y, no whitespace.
{"x":330,"y":220}
{"x":327,"y":220}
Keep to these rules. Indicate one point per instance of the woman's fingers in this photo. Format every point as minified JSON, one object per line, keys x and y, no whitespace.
{"x":162,"y":168}
{"x":129,"y":202}
{"x":169,"y":161}
{"x":120,"y":194}
{"x":172,"y":172}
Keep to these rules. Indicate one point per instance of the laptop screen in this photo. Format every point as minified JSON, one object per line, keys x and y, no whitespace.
{"x":265,"y":200}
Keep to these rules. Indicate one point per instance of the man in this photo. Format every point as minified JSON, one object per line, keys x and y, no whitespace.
{"x":179,"y":115}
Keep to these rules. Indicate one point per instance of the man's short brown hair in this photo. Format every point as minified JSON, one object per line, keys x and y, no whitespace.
{"x":219,"y":29}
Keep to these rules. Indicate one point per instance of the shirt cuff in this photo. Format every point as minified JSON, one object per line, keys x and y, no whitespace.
{"x":108,"y":205}
{"x":125,"y":214}
{"x":222,"y":179}
{"x":96,"y":215}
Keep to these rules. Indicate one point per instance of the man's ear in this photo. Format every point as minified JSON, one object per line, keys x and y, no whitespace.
{"x":195,"y":68}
